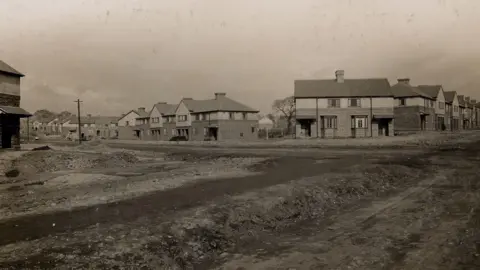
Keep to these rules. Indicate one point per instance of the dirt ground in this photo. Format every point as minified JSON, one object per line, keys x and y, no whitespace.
{"x":130,"y":207}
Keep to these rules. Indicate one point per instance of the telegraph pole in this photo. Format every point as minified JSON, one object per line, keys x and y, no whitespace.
{"x":78,"y":101}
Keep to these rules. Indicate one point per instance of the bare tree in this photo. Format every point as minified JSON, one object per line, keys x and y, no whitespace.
{"x":286,"y":107}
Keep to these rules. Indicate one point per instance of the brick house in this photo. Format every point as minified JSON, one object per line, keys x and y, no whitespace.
{"x":159,"y":129}
{"x":343,"y":107}
{"x":437,"y":93}
{"x":220,"y":118}
{"x":142,"y":124}
{"x":474,"y":119}
{"x":10,"y":111}
{"x":126,"y":125}
{"x":452,"y":110}
{"x":414,"y":110}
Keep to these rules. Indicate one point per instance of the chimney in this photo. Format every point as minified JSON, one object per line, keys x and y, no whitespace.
{"x":404,"y":81}
{"x":218,"y":95}
{"x":339,"y":76}
{"x":141,"y":109}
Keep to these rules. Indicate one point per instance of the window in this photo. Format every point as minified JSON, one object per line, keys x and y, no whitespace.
{"x":182,"y":118}
{"x":441,"y":105}
{"x":331,"y":122}
{"x":432,"y":104}
{"x":334,"y":103}
{"x":253,"y":129}
{"x":165,"y":131}
{"x":244,"y":117}
{"x":455,"y":108}
{"x":205,"y":131}
{"x":359,"y":121}
{"x":197,"y":117}
{"x":205,"y":116}
{"x":354,"y":102}
{"x":241,"y":134}
{"x":403,"y":101}
{"x":231,"y":116}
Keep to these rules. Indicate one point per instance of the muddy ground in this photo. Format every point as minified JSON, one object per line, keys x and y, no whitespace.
{"x":180,"y":208}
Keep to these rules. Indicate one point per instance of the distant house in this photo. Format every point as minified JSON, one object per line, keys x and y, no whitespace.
{"x":10,"y":111}
{"x":464,"y":112}
{"x":265,"y":123}
{"x":220,"y":118}
{"x":126,"y":124}
{"x":142,"y":124}
{"x":452,"y":110}
{"x":159,"y":129}
{"x":414,"y":110}
{"x":437,"y":93}
{"x":342,"y":107}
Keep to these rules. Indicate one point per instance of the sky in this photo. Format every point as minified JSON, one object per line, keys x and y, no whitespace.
{"x":117,"y":55}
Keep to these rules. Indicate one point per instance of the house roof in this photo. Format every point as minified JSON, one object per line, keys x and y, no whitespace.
{"x":4,"y":67}
{"x":431,"y":90}
{"x":449,"y":96}
{"x":123,"y":116}
{"x":142,"y":114}
{"x":105,"y":120}
{"x":164,"y":108}
{"x":83,"y":120}
{"x":406,"y":90}
{"x":14,"y":110}
{"x":348,"y":88}
{"x":220,"y":103}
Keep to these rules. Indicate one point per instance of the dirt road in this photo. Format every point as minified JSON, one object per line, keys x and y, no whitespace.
{"x":392,"y":209}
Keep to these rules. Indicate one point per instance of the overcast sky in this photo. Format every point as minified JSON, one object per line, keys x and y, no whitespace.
{"x":121,"y":54}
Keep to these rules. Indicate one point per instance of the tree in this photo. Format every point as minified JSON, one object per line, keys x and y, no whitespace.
{"x":286,"y":107}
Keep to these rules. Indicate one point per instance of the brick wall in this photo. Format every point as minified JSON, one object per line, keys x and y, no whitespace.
{"x":237,"y":129}
{"x":407,"y":119}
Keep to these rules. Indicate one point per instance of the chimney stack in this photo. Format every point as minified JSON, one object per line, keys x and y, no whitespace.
{"x":218,"y":95}
{"x":141,"y":109}
{"x":339,"y":76}
{"x":404,"y":81}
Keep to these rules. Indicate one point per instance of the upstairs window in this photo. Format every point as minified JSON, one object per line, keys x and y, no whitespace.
{"x":182,"y":118}
{"x":334,"y":103}
{"x":402,"y":102}
{"x":354,"y":102}
{"x":231,"y":116}
{"x":197,"y":117}
{"x":244,"y":116}
{"x":441,"y":105}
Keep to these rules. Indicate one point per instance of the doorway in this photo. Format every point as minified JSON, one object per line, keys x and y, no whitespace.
{"x":383,"y":127}
{"x":305,"y":127}
{"x":213,"y":132}
{"x":423,"y":122}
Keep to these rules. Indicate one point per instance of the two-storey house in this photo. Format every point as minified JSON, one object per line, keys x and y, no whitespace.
{"x":469,"y":109}
{"x":342,"y":107}
{"x":220,"y":118}
{"x":414,"y":110}
{"x":159,"y":128}
{"x":10,"y":111}
{"x":452,"y":110}
{"x":126,"y":125}
{"x":142,"y":124}
{"x":437,"y":93}
{"x":473,"y":103}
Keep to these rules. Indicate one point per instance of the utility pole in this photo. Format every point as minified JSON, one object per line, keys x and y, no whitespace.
{"x":78,"y":101}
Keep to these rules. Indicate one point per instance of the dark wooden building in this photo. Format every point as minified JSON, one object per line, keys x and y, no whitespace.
{"x":10,"y":111}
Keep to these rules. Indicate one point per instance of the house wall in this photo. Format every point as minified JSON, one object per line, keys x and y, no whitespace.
{"x":183,"y":110}
{"x":155,"y":114}
{"x":128,"y":120}
{"x":307,"y":108}
{"x":9,"y":90}
{"x":440,"y":100}
{"x":126,"y":133}
{"x":237,"y":130}
{"x":407,"y":118}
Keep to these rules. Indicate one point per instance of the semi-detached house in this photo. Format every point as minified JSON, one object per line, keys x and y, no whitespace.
{"x":437,"y":93}
{"x":464,"y":117}
{"x":220,"y":118}
{"x":343,"y":107}
{"x":414,"y":110}
{"x":452,"y":110}
{"x":159,"y":120}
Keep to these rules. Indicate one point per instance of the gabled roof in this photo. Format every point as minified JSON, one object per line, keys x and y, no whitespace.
{"x":450,"y":96}
{"x":142,"y":114}
{"x":164,"y":108}
{"x":220,"y":103}
{"x":5,"y":68}
{"x":461,"y":100}
{"x":431,"y":90}
{"x":123,"y":116}
{"x":403,"y":90}
{"x":348,"y":88}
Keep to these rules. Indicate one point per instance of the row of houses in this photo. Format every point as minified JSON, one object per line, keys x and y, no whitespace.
{"x":218,"y":118}
{"x":67,"y":126}
{"x":372,"y":107}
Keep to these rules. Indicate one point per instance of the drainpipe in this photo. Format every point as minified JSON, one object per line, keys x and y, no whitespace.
{"x":316,"y":120}
{"x":295,"y":110}
{"x":371,"y":117}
